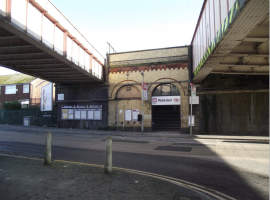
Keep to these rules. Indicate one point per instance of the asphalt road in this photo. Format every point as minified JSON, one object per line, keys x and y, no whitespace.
{"x":218,"y":176}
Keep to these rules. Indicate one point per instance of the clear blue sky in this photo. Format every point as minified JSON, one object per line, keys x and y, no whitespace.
{"x":132,"y":25}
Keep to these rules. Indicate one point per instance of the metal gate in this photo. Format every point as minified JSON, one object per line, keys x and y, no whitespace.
{"x":36,"y":117}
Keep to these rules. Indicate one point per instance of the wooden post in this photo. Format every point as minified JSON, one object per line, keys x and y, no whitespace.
{"x":108,"y":156}
{"x":48,"y":149}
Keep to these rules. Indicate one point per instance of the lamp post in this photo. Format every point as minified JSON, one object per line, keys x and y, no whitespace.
{"x":141,"y":72}
{"x":191,"y":86}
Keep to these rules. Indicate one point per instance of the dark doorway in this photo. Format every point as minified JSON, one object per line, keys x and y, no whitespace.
{"x":166,"y":118}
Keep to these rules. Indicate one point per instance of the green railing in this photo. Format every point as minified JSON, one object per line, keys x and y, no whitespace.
{"x":37,"y":118}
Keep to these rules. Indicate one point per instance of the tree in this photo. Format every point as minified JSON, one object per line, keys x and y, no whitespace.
{"x":12,"y":105}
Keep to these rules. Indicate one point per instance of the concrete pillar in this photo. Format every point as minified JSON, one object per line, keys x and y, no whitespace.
{"x":48,"y":149}
{"x":108,"y":156}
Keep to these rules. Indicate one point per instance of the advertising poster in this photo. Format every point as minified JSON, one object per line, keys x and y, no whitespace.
{"x":64,"y":113}
{"x":46,"y":97}
{"x":135,"y":114}
{"x":128,"y":115}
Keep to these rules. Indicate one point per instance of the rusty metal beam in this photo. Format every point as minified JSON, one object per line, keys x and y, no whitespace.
{"x":54,"y":70}
{"x":24,"y":54}
{"x":17,"y":46}
{"x":8,"y":37}
{"x":37,"y":65}
{"x":245,"y":73}
{"x":31,"y":60}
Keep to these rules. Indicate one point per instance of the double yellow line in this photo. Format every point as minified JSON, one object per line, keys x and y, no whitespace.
{"x":188,"y":185}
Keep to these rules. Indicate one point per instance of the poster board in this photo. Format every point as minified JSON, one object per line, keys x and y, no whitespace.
{"x":135,"y":114}
{"x":128,"y":115}
{"x":91,"y":112}
{"x":46,"y":98}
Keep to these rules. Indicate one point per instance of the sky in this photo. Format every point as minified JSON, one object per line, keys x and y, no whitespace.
{"x":131,"y":25}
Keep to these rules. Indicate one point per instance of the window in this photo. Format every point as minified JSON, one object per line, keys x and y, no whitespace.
{"x":26,"y":88}
{"x":166,"y":90}
{"x":10,"y":89}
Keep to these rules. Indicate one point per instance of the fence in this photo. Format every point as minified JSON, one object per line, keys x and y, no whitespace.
{"x":37,"y":118}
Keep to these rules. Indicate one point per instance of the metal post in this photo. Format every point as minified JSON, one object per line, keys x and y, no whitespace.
{"x":142,"y":101}
{"x":117,"y":116}
{"x":48,"y":149}
{"x":108,"y":156}
{"x":191,"y":110}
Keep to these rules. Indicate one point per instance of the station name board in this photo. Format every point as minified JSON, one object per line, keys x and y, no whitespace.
{"x":166,"y":100}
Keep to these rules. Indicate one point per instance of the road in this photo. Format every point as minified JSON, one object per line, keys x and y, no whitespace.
{"x":197,"y":161}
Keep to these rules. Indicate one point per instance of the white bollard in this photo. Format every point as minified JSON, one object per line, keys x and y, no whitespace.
{"x":48,"y":149}
{"x":108,"y":156}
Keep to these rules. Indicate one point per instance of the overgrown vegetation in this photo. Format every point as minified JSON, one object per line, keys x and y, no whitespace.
{"x":12,"y":105}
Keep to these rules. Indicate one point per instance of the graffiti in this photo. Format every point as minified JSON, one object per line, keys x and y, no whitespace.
{"x":236,"y":8}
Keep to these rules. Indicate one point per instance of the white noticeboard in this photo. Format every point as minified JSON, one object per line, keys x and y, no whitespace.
{"x":128,"y":115}
{"x":46,"y":97}
{"x":135,"y":114}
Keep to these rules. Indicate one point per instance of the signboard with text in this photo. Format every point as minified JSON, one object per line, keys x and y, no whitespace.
{"x":166,"y":100}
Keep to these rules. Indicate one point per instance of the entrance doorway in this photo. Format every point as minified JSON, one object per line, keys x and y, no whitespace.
{"x":166,"y":108}
{"x":166,"y":118}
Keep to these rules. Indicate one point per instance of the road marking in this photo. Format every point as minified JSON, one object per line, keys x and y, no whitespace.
{"x":188,"y":185}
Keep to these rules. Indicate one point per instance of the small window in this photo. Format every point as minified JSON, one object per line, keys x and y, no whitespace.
{"x":10,"y":89}
{"x":26,"y":88}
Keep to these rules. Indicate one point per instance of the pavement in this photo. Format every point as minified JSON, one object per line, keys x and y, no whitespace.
{"x":27,"y":178}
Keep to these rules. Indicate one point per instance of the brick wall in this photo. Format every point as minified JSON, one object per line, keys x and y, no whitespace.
{"x":167,"y":55}
{"x":172,"y":66}
{"x":12,"y":97}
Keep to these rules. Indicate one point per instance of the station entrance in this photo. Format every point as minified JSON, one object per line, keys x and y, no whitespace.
{"x":166,"y":108}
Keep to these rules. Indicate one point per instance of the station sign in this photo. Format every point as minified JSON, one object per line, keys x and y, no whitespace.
{"x":166,"y":100}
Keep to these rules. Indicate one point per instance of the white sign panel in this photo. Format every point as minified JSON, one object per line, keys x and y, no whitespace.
{"x":195,"y":100}
{"x":61,"y":97}
{"x":191,"y":120}
{"x":46,"y":97}
{"x":145,"y":88}
{"x":166,"y":100}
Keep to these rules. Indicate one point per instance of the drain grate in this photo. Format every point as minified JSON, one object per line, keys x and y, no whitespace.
{"x":171,"y":148}
{"x":190,"y":144}
{"x":130,"y":141}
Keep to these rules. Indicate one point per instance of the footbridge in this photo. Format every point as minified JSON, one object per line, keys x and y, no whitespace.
{"x":38,"y":40}
{"x":231,"y":37}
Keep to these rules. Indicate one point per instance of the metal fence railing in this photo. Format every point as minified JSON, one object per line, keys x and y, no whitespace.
{"x":36,"y":117}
